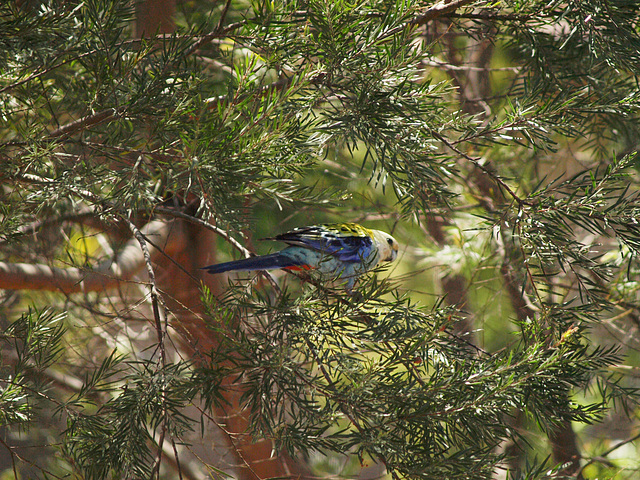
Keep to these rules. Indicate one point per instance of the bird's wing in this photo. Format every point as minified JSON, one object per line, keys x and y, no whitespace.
{"x":348,"y":242}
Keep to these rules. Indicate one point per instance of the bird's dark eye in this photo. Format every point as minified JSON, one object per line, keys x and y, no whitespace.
{"x":390,"y":241}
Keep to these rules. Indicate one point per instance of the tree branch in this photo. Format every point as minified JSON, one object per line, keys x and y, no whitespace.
{"x":433,"y":12}
{"x":106,"y":275}
{"x":160,"y":332}
{"x":438,"y":10}
{"x":86,"y":122}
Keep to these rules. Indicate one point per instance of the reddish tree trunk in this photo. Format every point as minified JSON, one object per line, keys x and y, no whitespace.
{"x":154,"y":17}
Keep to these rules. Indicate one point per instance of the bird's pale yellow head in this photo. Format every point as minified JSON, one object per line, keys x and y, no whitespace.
{"x":387,"y":246}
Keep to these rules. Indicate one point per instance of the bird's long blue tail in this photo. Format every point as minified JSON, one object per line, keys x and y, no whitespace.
{"x":264,"y":262}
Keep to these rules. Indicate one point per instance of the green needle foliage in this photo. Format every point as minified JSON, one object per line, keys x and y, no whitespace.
{"x":383,"y":380}
{"x":497,"y":141}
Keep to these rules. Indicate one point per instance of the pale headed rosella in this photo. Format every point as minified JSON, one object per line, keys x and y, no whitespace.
{"x":336,"y":251}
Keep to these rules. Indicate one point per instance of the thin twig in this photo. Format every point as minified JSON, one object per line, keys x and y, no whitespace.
{"x":12,"y":455}
{"x":160,"y":331}
{"x":230,"y":436}
{"x":198,"y":221}
{"x":86,"y":122}
{"x":607,"y":452}
{"x":477,"y":163}
{"x":223,"y":16}
{"x":279,"y":84}
{"x":468,"y":68}
{"x":177,"y":458}
{"x":212,"y":36}
{"x":27,"y":461}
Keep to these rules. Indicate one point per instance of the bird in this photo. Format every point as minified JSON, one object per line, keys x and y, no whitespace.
{"x":334,"y":250}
